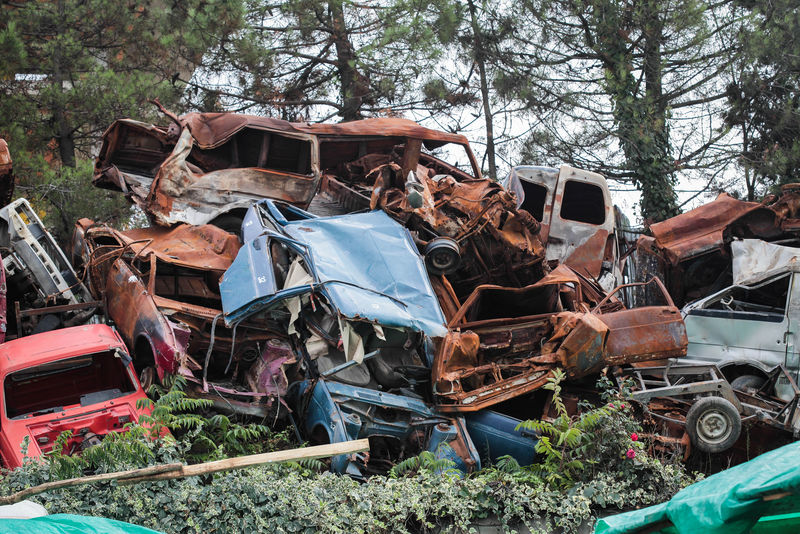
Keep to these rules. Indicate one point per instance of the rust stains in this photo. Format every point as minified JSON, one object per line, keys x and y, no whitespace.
{"x":6,"y":174}
{"x":498,"y":348}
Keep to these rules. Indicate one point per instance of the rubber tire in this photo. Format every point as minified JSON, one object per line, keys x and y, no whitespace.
{"x":747,"y":381}
{"x":148,"y":377}
{"x":713,"y":411}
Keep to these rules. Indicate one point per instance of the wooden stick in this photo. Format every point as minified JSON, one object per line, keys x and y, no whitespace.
{"x":176,"y":470}
{"x":122,"y":475}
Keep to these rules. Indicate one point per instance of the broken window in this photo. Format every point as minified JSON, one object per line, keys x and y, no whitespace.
{"x":51,"y":387}
{"x":259,"y":149}
{"x":535,"y":197}
{"x":765,"y":302}
{"x":192,"y":286}
{"x":583,"y":202}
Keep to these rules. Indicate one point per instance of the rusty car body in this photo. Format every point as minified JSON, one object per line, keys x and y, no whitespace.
{"x":694,"y":247}
{"x":505,"y":342}
{"x":209,"y":167}
{"x":160,"y":288}
{"x":469,"y":229}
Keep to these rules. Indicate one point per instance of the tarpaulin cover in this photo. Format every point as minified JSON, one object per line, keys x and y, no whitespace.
{"x":755,"y":260}
{"x":730,"y":502}
{"x":366,"y":264}
{"x":70,"y":524}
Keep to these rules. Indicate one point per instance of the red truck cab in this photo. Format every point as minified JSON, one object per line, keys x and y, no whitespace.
{"x":79,"y":379}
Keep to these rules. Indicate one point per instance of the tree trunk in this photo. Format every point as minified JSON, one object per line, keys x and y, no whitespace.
{"x":658,"y":195}
{"x":64,"y":134}
{"x":352,"y":84}
{"x":480,"y":59}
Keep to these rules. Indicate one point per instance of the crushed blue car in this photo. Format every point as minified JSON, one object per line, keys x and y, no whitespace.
{"x":365,"y":265}
{"x":353,"y":294}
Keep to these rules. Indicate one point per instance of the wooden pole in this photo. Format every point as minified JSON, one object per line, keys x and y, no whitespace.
{"x":176,"y":470}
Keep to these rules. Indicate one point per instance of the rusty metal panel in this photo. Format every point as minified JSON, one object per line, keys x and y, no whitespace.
{"x":200,"y":247}
{"x":193,"y":171}
{"x":6,"y":174}
{"x":214,"y":129}
{"x":642,"y":334}
{"x":582,"y":351}
{"x":139,"y":320}
{"x":490,"y":360}
{"x":700,"y":229}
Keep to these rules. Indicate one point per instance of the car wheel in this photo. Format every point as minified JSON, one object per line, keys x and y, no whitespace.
{"x":148,"y":377}
{"x":745,"y":382}
{"x":713,"y":424}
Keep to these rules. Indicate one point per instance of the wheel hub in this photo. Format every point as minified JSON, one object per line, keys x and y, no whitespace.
{"x":714,"y":426}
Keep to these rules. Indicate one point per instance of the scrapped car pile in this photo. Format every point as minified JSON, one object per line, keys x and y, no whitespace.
{"x":346,"y":280}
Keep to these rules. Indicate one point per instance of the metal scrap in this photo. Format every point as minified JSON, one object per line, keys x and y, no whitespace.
{"x":160,"y":287}
{"x":694,"y":247}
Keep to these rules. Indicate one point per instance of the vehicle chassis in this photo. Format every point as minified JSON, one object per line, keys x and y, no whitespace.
{"x":687,"y":383}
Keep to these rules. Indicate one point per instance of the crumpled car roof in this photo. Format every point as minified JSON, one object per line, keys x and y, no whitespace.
{"x":367,"y":264}
{"x":200,"y":247}
{"x":700,"y":229}
{"x":213,"y":129}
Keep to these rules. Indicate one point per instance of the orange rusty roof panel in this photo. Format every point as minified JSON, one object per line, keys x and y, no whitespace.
{"x":200,"y":247}
{"x":213,"y":129}
{"x":700,"y":229}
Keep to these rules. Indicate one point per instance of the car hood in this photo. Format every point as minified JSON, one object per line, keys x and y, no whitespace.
{"x":366,"y":265}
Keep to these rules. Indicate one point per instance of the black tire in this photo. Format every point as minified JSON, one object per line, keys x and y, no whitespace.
{"x":148,"y":377}
{"x":230,"y":223}
{"x":745,"y":382}
{"x":713,"y":424}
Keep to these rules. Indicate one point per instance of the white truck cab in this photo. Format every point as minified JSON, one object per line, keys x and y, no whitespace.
{"x":577,"y":216}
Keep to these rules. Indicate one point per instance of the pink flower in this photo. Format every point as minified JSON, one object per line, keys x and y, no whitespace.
{"x":622,"y":406}
{"x":611,"y":405}
{"x":631,"y":454}
{"x":635,"y":436}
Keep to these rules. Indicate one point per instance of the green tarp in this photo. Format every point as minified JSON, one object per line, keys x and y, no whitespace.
{"x":730,"y":502}
{"x":70,"y":524}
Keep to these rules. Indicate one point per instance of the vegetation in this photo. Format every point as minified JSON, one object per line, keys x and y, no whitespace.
{"x":764,"y":96}
{"x":420,"y":495}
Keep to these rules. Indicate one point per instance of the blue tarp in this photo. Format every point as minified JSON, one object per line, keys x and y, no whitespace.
{"x":366,"y":264}
{"x":730,"y":502}
{"x":70,"y":524}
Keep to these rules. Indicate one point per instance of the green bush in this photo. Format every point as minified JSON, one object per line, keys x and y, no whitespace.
{"x":421,"y":495}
